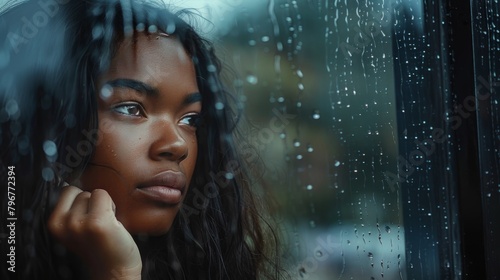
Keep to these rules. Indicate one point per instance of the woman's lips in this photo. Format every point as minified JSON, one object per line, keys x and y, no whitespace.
{"x":166,"y":187}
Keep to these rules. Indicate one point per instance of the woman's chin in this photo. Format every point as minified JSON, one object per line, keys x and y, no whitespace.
{"x":153,"y":230}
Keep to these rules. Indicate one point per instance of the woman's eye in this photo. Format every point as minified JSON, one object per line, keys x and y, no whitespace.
{"x":193,"y":120}
{"x":129,"y":109}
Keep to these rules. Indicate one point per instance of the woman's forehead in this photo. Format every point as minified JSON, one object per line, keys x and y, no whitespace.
{"x":150,"y":49}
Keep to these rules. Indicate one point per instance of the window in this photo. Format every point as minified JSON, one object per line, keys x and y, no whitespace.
{"x":386,"y":158}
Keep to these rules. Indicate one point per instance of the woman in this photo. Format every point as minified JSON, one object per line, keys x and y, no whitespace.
{"x":121,"y":136}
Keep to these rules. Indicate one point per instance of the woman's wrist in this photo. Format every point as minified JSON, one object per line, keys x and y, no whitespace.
{"x":133,"y":273}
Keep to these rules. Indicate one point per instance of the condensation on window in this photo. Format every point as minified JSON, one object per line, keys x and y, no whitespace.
{"x":318,"y":84}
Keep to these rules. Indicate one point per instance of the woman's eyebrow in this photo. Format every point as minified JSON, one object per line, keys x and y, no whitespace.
{"x":135,"y":85}
{"x":192,"y":98}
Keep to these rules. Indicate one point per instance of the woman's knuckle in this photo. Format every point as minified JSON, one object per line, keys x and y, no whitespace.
{"x":95,"y":227}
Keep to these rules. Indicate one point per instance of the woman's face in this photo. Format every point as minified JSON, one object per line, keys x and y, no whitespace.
{"x":148,"y":108}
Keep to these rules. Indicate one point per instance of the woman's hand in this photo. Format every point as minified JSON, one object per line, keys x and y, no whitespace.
{"x":85,"y":223}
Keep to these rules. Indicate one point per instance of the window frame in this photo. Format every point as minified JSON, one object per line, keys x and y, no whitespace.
{"x":458,"y":238}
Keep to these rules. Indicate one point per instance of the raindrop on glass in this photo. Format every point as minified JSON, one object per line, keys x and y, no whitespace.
{"x":302,"y":272}
{"x":251,"y":79}
{"x":309,"y":187}
{"x":265,"y":38}
{"x":97,"y":32}
{"x":300,"y":74}
{"x":152,"y":29}
{"x":211,"y":68}
{"x":316,"y":115}
{"x":229,"y":175}
{"x":50,"y":148}
{"x":140,"y":27}
{"x":296,"y":143}
{"x":299,"y":156}
{"x":336,"y":163}
{"x":11,"y":107}
{"x":387,"y":229}
{"x":170,"y":28}
{"x":310,"y":149}
{"x":47,"y":174}
{"x":219,"y":105}
{"x":312,"y":224}
{"x":299,"y":104}
{"x":282,"y":135}
{"x":106,"y":92}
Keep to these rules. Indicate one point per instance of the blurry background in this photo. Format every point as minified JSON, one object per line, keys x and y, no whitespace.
{"x":318,"y":84}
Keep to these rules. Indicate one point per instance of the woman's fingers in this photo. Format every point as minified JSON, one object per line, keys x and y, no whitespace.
{"x":58,"y":219}
{"x":100,"y":203}
{"x":80,"y":205}
{"x":66,"y":199}
{"x":86,"y":224}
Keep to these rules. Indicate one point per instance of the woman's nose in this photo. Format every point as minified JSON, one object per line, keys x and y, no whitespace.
{"x":167,"y":142}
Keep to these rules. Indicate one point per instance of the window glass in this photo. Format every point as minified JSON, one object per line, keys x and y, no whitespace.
{"x":487,"y":82}
{"x":318,"y":82}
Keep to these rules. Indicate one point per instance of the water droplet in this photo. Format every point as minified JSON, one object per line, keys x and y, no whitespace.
{"x":48,"y":174}
{"x":301,"y":86}
{"x":229,"y":175}
{"x":171,"y":28}
{"x":97,"y":32}
{"x":299,"y":156}
{"x":296,"y":143}
{"x":319,"y":254}
{"x":219,"y":105}
{"x":316,"y":115}
{"x":282,"y":135}
{"x":370,"y":255}
{"x":106,"y":92}
{"x":310,"y":149}
{"x":387,"y":229}
{"x":302,"y":272}
{"x":11,"y":107}
{"x":312,"y":224}
{"x":152,"y":29}
{"x":50,"y":148}
{"x":140,"y":27}
{"x":251,"y":79}
{"x":309,"y":187}
{"x":211,"y":68}
{"x":336,"y":163}
{"x":299,"y":104}
{"x":281,"y":99}
{"x":252,"y":43}
{"x":300,"y":74}
{"x":265,"y":39}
